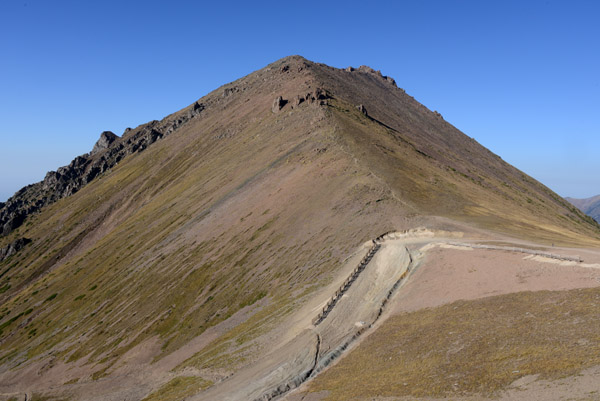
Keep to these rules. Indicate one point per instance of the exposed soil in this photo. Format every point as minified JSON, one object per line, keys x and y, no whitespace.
{"x":585,"y":386}
{"x":220,"y":243}
{"x":294,"y":361}
{"x":301,"y":350}
{"x":450,"y":273}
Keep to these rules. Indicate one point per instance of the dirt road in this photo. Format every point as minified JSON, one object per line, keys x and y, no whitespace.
{"x":351,"y":310}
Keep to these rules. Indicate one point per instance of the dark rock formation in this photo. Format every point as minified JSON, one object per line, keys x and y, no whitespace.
{"x":278,"y":104}
{"x":107,"y":152}
{"x":368,"y":70}
{"x":194,"y":110}
{"x":106,"y":138}
{"x":229,"y":91}
{"x":13,"y":248}
{"x":319,"y":96}
{"x":390,"y":80}
{"x":362,"y":109}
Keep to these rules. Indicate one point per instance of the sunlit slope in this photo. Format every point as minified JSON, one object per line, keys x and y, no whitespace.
{"x":246,"y":206}
{"x":440,"y":170}
{"x":471,"y":348}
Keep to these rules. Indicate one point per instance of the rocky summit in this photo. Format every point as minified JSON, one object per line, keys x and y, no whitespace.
{"x":236,"y":248}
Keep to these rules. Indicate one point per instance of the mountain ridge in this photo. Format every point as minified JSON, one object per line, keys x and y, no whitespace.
{"x":239,"y":215}
{"x":66,"y":180}
{"x":589,"y":206}
{"x":106,"y":153}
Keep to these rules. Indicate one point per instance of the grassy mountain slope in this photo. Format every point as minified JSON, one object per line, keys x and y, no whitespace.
{"x":244,"y":208}
{"x":469,"y":347}
{"x":442,"y":171}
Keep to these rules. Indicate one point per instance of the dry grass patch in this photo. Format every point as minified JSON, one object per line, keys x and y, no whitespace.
{"x":232,"y":349}
{"x":179,"y":388}
{"x":40,"y":397}
{"x":472,"y":347}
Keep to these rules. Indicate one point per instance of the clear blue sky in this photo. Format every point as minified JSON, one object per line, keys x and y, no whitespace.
{"x":521,"y":77}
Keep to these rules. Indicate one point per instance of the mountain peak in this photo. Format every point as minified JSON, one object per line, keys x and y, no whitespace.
{"x":222,"y":218}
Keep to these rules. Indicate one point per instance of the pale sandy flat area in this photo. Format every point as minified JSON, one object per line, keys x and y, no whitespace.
{"x":450,"y":273}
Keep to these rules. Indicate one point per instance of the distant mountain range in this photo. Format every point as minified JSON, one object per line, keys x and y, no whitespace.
{"x":589,"y":206}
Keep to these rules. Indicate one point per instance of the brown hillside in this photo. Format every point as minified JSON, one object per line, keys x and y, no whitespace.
{"x":237,"y":216}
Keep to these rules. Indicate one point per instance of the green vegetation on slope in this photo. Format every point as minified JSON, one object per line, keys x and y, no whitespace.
{"x":472,"y":347}
{"x":179,"y":388}
{"x":501,"y":198}
{"x":244,"y":208}
{"x":169,"y":244}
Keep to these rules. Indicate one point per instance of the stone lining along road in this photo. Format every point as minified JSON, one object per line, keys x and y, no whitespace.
{"x":341,"y":319}
{"x":358,"y":301}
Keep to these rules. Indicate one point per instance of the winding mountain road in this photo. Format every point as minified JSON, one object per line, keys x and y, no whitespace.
{"x":338,"y":322}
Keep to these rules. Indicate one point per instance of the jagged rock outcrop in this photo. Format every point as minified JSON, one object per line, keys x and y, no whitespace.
{"x":106,"y":139}
{"x":278,"y":104}
{"x":368,"y":70}
{"x":229,"y":91}
{"x":319,"y":96}
{"x":362,"y":109}
{"x":13,"y":248}
{"x":109,"y":150}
